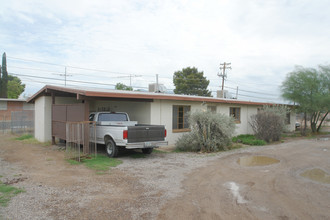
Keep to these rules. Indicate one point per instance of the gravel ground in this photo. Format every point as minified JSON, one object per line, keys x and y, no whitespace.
{"x":136,"y":189}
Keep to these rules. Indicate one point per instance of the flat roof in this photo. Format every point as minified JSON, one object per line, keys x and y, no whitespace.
{"x":13,"y":100}
{"x":81,"y":92}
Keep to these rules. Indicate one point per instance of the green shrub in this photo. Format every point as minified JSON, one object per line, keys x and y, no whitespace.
{"x":248,"y":139}
{"x":209,"y":132}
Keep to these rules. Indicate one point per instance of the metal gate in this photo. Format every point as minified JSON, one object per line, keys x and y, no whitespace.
{"x":69,"y":124}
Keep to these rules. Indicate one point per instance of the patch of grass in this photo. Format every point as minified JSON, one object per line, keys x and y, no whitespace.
{"x":293,"y":134}
{"x":24,"y":137}
{"x":101,"y":162}
{"x":160,"y":151}
{"x":137,"y":155}
{"x":98,"y":163}
{"x":235,"y":146}
{"x":177,"y":150}
{"x":248,"y":139}
{"x":8,"y":192}
{"x":73,"y":162}
{"x":29,"y":139}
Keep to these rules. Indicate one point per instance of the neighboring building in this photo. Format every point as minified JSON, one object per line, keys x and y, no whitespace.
{"x":145,"y":107}
{"x":15,"y":114}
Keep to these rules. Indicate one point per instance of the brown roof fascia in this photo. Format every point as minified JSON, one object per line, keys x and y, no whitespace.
{"x":48,"y":89}
{"x":170,"y":97}
{"x":130,"y":95}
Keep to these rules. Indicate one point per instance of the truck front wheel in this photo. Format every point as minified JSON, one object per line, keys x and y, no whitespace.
{"x":111,"y":148}
{"x":147,"y":150}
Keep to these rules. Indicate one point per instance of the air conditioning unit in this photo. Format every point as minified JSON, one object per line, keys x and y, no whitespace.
{"x":223,"y":94}
{"x":157,"y":88}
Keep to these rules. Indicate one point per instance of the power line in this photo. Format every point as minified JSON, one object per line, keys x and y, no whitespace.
{"x":73,"y":67}
{"x":74,"y":81}
{"x":262,"y":93}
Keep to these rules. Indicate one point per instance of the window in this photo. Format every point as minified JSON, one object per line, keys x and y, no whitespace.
{"x":112,"y":117}
{"x":91,"y":117}
{"x":3,"y":105}
{"x":180,"y":118}
{"x":235,"y":113}
{"x":212,"y":109}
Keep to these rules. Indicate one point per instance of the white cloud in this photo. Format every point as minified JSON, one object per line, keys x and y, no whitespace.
{"x":262,"y":39}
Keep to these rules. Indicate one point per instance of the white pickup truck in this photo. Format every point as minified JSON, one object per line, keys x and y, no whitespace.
{"x":114,"y":129}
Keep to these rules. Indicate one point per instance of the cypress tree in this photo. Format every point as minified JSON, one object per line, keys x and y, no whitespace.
{"x":4,"y":79}
{"x":0,"y":83}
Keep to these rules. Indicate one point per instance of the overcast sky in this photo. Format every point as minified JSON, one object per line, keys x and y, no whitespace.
{"x":263,"y":40}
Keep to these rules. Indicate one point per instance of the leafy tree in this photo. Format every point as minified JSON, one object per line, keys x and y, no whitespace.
{"x":4,"y":77}
{"x":310,"y":89}
{"x":189,"y":81}
{"x":15,"y":87}
{"x":121,"y":86}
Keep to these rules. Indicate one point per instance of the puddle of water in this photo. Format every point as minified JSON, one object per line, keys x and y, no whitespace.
{"x":256,"y":161}
{"x":317,"y":175}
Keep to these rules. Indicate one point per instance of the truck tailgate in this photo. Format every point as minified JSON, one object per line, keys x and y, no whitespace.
{"x":145,"y":133}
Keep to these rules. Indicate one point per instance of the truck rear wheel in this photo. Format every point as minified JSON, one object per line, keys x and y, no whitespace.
{"x":111,"y":148}
{"x":147,"y":150}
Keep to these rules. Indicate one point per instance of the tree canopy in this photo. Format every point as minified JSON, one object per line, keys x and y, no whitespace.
{"x":310,"y":89}
{"x":121,"y":86}
{"x":15,"y":87}
{"x":4,"y":78}
{"x":189,"y":81}
{"x":10,"y":86}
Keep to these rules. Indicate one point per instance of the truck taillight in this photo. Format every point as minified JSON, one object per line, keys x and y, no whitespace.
{"x":125,"y":134}
{"x":165,"y":132}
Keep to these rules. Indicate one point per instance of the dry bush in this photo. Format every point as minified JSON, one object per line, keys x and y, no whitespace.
{"x":209,"y":132}
{"x":269,"y":123}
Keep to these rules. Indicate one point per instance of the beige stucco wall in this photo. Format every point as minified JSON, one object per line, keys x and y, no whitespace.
{"x":292,"y":126}
{"x":161,"y":113}
{"x":42,"y":122}
{"x":156,"y":112}
{"x":246,"y":112}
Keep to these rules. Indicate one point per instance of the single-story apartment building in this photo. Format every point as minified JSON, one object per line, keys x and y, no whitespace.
{"x":145,"y":107}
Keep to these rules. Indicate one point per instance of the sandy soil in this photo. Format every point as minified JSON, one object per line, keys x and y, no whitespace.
{"x":168,"y":186}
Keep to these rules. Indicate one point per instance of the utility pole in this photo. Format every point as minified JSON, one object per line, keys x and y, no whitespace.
{"x":157,"y":87}
{"x":130,"y":78}
{"x":223,"y":67}
{"x":65,"y":75}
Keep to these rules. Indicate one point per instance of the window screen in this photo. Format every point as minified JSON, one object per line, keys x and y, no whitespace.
{"x":180,"y":117}
{"x":112,"y":117}
{"x":236,"y":114}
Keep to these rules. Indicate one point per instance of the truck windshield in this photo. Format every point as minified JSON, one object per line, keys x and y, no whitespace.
{"x":112,"y":117}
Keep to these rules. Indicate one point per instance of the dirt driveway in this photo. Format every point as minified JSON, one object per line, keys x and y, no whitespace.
{"x":169,"y":185}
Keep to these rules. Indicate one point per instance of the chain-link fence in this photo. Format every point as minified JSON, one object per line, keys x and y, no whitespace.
{"x":17,"y":122}
{"x":80,"y":139}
